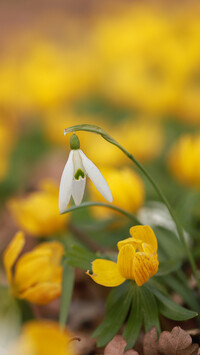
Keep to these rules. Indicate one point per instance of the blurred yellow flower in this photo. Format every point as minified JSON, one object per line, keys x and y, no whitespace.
{"x":37,"y":213}
{"x":6,"y":144}
{"x":134,"y":74}
{"x":137,"y":260}
{"x":100,"y":151}
{"x":152,"y":67}
{"x":40,"y":337}
{"x":40,"y":74}
{"x":127,"y":189}
{"x":37,"y":274}
{"x":183,"y":160}
{"x":144,"y":139}
{"x":54,"y":123}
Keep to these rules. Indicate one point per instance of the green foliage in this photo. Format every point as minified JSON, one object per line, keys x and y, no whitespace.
{"x":117,"y":308}
{"x":170,"y":309}
{"x":80,"y":257}
{"x":135,"y":319}
{"x":149,"y":309}
{"x":67,"y":289}
{"x":10,"y":316}
{"x":30,"y":147}
{"x":166,"y":267}
{"x":179,"y":284}
{"x":169,"y":246}
{"x":144,"y":303}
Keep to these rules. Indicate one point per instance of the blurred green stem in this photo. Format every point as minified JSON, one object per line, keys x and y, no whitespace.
{"x":107,"y":137}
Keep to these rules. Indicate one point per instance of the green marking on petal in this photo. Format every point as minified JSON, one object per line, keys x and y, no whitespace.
{"x":78,"y":174}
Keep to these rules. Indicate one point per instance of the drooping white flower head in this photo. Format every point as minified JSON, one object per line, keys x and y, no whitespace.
{"x":73,"y":178}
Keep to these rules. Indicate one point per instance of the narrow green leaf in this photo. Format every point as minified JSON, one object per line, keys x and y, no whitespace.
{"x":135,"y":319}
{"x":169,"y":244}
{"x":179,"y":284}
{"x":171,"y":310}
{"x":150,"y":309}
{"x":166,"y":267}
{"x":117,"y":308}
{"x":80,"y":257}
{"x":115,"y":295}
{"x":155,"y":283}
{"x":67,"y":289}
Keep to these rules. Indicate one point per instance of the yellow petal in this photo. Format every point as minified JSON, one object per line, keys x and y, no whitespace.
{"x":42,"y":293}
{"x":125,"y":261}
{"x":129,"y":241}
{"x":49,"y":186}
{"x":45,"y":257}
{"x":38,"y":213}
{"x":144,"y":234}
{"x":43,"y":337}
{"x":148,"y":249}
{"x":12,"y":252}
{"x":56,"y":248}
{"x":106,"y":273}
{"x":144,"y":266}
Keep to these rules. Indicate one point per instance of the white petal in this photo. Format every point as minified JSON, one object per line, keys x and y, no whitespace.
{"x":96,"y":177}
{"x":78,"y":188}
{"x":77,"y":161}
{"x":66,"y":183}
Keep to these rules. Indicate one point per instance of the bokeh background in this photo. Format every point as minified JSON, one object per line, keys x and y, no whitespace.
{"x":131,"y":67}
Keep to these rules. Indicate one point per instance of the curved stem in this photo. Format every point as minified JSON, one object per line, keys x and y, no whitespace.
{"x":98,"y":130}
{"x":102,"y":204}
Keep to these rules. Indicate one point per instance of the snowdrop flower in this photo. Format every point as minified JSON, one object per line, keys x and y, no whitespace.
{"x":74,"y":177}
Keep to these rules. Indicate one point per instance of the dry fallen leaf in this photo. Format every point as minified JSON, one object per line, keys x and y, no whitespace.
{"x":178,"y":342}
{"x":116,"y":347}
{"x":150,"y":342}
{"x":84,"y":344}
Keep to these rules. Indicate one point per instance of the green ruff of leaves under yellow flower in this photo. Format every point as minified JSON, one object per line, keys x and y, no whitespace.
{"x":137,"y":260}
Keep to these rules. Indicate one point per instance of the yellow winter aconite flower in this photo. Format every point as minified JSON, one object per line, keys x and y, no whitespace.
{"x":137,"y":260}
{"x":154,"y":68}
{"x":127,"y":189}
{"x":183,"y":160}
{"x":36,"y":275}
{"x":39,"y":73}
{"x":42,"y":338}
{"x":54,"y":123}
{"x":6,"y":145}
{"x":37,"y":213}
{"x":142,"y":137}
